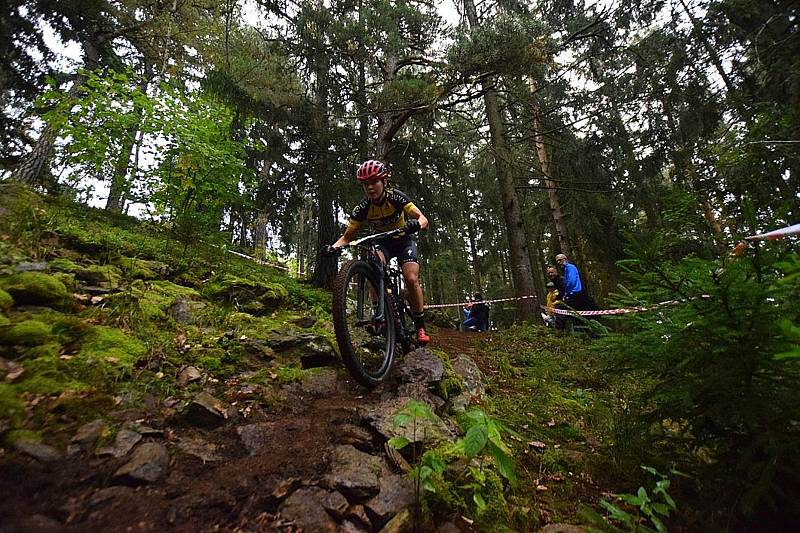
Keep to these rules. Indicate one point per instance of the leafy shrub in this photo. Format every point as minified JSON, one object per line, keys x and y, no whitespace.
{"x":717,"y":368}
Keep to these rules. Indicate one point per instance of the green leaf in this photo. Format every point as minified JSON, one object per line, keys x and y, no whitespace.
{"x":617,"y":513}
{"x":477,"y":497}
{"x":631,"y":499}
{"x":399,"y":442}
{"x":475,"y":440}
{"x":505,"y":465}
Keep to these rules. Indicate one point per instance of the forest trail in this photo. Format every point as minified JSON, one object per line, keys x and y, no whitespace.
{"x":257,"y":471}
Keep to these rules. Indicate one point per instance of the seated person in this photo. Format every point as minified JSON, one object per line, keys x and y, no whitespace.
{"x":477,"y":315}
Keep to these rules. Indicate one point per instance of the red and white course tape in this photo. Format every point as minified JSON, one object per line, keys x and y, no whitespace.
{"x":599,"y":312}
{"x":777,"y":234}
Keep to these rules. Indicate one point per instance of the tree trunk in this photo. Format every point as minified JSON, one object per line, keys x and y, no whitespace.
{"x":325,"y":272}
{"x":515,"y":229}
{"x":120,"y":184}
{"x":31,"y":169}
{"x":556,"y":214}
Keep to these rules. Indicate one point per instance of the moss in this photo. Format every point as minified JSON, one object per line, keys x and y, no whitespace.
{"x":63,"y":265}
{"x":26,"y":333}
{"x":22,"y":434}
{"x":263,"y":297}
{"x":36,"y":288}
{"x":290,"y":374}
{"x":12,"y":408}
{"x":136,"y":268}
{"x":108,"y":274}
{"x":68,"y":280}
{"x":147,"y":301}
{"x":6,"y":301}
{"x":46,"y":372}
{"x":211,"y":362}
{"x":106,"y":354}
{"x":4,"y":320}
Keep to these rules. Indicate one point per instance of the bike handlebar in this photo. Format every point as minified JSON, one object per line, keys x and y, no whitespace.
{"x":376,"y":236}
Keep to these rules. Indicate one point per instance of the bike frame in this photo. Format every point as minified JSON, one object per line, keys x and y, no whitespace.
{"x":388,"y":276}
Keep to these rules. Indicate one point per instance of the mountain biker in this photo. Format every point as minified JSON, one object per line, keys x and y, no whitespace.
{"x":386,"y":209}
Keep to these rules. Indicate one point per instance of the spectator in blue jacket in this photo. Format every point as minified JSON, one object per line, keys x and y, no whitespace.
{"x":477,"y":315}
{"x":575,"y":296}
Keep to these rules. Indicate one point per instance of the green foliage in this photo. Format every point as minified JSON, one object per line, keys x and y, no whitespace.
{"x":712,"y":365}
{"x":511,"y":44}
{"x":651,"y":509}
{"x":112,"y":108}
{"x":12,"y":408}
{"x":202,"y":165}
{"x":463,"y":475}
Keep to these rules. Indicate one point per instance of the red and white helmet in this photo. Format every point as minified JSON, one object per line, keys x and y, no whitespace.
{"x":372,"y":170}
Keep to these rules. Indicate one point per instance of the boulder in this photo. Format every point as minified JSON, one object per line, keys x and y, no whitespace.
{"x":37,"y":450}
{"x":305,"y":509}
{"x":148,"y":464}
{"x":354,"y":473}
{"x":420,"y":366}
{"x":396,"y":494}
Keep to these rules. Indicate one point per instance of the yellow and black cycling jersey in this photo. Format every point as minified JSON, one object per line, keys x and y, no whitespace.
{"x":390,"y":214}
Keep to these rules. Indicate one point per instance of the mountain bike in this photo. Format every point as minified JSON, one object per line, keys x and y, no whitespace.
{"x":371,"y":316}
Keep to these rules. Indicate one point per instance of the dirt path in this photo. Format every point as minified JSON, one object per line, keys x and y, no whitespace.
{"x":234,"y":490}
{"x":230,"y":478}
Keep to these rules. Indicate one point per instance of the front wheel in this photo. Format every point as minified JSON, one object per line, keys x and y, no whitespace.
{"x":367,"y":345}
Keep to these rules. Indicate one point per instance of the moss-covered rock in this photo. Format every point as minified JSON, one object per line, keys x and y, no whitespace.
{"x":149,"y":300}
{"x":100,"y":274}
{"x":254,"y":297}
{"x":36,"y":288}
{"x":106,"y":354}
{"x":46,"y":372}
{"x":135,"y":268}
{"x":25,"y":333}
{"x":63,"y":265}
{"x":6,"y":301}
{"x":16,"y":201}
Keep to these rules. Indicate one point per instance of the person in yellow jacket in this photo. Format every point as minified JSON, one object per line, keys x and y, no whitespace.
{"x":553,"y":298}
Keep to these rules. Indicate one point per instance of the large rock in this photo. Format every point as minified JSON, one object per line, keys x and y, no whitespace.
{"x":429,"y":432}
{"x":148,"y":464}
{"x":184,"y":311}
{"x":37,"y":450}
{"x":354,"y":473}
{"x":472,"y":377}
{"x":206,"y":411}
{"x":306,"y":510}
{"x":420,"y":366}
{"x":188,"y":375}
{"x":124,"y":442}
{"x":396,"y":494}
{"x":87,"y":435}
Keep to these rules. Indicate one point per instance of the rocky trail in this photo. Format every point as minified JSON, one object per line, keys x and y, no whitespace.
{"x":220,"y":463}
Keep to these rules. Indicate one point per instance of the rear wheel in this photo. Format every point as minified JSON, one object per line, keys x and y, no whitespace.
{"x":366,"y":344}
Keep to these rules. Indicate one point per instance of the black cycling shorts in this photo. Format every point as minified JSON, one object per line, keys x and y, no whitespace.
{"x":405,"y":250}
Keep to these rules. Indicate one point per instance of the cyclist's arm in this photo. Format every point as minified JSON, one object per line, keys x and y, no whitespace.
{"x":414,"y":212}
{"x":347,"y":236}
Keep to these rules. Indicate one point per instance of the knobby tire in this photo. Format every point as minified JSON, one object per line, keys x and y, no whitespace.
{"x":354,"y":340}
